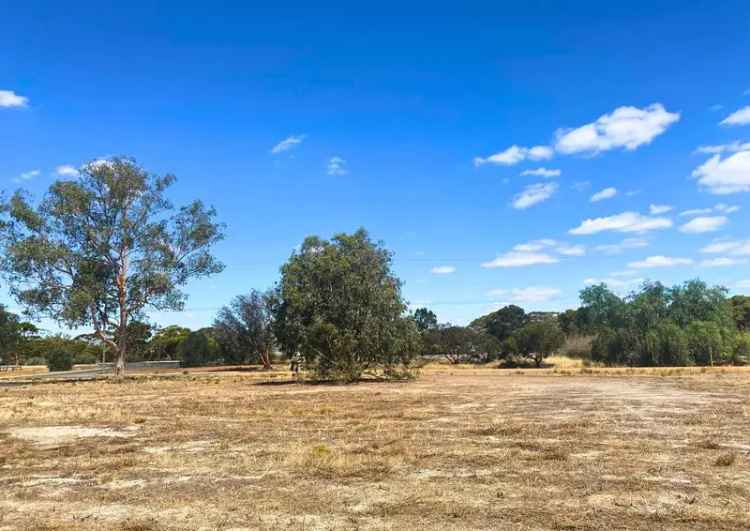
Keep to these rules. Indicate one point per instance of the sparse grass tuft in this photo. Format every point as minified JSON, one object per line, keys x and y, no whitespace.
{"x":727,"y":459}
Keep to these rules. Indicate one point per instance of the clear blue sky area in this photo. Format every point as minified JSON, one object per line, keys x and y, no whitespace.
{"x":506,"y":152}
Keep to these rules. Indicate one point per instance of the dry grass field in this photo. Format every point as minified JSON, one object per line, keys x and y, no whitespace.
{"x":459,"y":448}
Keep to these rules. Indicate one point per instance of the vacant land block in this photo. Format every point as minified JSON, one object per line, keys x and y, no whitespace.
{"x":455,"y":449}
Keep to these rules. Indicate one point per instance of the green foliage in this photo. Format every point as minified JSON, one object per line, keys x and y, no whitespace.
{"x":687,"y":324}
{"x":742,"y":349}
{"x":460,"y":344}
{"x":340,"y":307}
{"x":741,"y":311}
{"x":568,"y":321}
{"x":600,"y":308}
{"x":244,"y":329}
{"x":537,"y":340}
{"x":502,"y":323}
{"x":425,"y":319}
{"x":136,"y":338}
{"x":165,"y":343}
{"x":35,"y":360}
{"x":100,"y":249}
{"x":85,"y":358}
{"x":59,"y":358}
{"x":14,"y":334}
{"x":198,"y":349}
{"x":706,"y":342}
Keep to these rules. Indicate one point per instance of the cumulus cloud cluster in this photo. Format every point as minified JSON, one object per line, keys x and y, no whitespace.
{"x":660,"y":261}
{"x":626,"y":127}
{"x":8,"y":98}
{"x":703,"y":224}
{"x":546,"y":251}
{"x":533,"y":194}
{"x":625,"y":222}
{"x":739,"y":117}
{"x":607,"y":193}
{"x":515,"y":154}
{"x":725,"y":175}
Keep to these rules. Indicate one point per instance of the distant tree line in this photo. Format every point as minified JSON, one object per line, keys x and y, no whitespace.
{"x":687,"y":324}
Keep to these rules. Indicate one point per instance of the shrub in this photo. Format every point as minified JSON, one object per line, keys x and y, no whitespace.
{"x":35,"y":360}
{"x":577,"y":347}
{"x":84,"y":358}
{"x":194,"y":350}
{"x":741,"y":355}
{"x":705,"y":342}
{"x":537,"y":340}
{"x":59,"y":359}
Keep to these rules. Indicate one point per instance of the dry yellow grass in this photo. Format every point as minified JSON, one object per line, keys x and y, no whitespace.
{"x":460,"y":448}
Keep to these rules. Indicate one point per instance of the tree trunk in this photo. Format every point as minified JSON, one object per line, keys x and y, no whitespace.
{"x":265,"y":358}
{"x":120,"y":363}
{"x":123,"y":325}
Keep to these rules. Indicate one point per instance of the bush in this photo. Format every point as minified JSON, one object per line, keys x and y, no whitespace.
{"x":35,"y":360}
{"x":742,"y":349}
{"x":198,"y":349}
{"x":705,"y":342}
{"x":59,"y":359}
{"x":577,"y":346}
{"x":84,"y":358}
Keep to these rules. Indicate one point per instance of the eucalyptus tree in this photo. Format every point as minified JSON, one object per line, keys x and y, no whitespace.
{"x":100,"y":249}
{"x":339,"y":306}
{"x":245,"y":328}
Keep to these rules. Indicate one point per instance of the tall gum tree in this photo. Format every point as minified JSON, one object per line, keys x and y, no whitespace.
{"x":100,"y":250}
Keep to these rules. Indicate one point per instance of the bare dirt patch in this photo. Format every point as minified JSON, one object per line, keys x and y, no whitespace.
{"x":459,"y":448}
{"x":54,"y":435}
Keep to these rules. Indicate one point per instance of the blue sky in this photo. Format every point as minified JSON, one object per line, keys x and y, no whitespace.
{"x":416,"y":122}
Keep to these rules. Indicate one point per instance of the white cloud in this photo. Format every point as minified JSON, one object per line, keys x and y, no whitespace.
{"x":704,"y":224}
{"x":743,"y":284}
{"x":572,"y":250}
{"x":725,"y":176}
{"x":727,"y":209}
{"x":287,"y":144}
{"x":738,"y":117}
{"x":337,"y":166}
{"x":443,"y":270}
{"x":515,"y":154}
{"x":722,"y":262}
{"x":625,"y":222}
{"x":655,"y":210}
{"x":8,"y":98}
{"x":716,"y":107}
{"x":732,"y":147}
{"x":617,"y":248}
{"x":542,"y":172}
{"x":526,"y":295}
{"x":66,"y":170}
{"x":626,"y":127}
{"x":533,"y":194}
{"x":732,"y":247}
{"x":696,"y":212}
{"x":26,"y":176}
{"x":607,"y":193}
{"x":535,"y":252}
{"x":520,"y":259}
{"x":659,"y":261}
{"x":563,"y":248}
